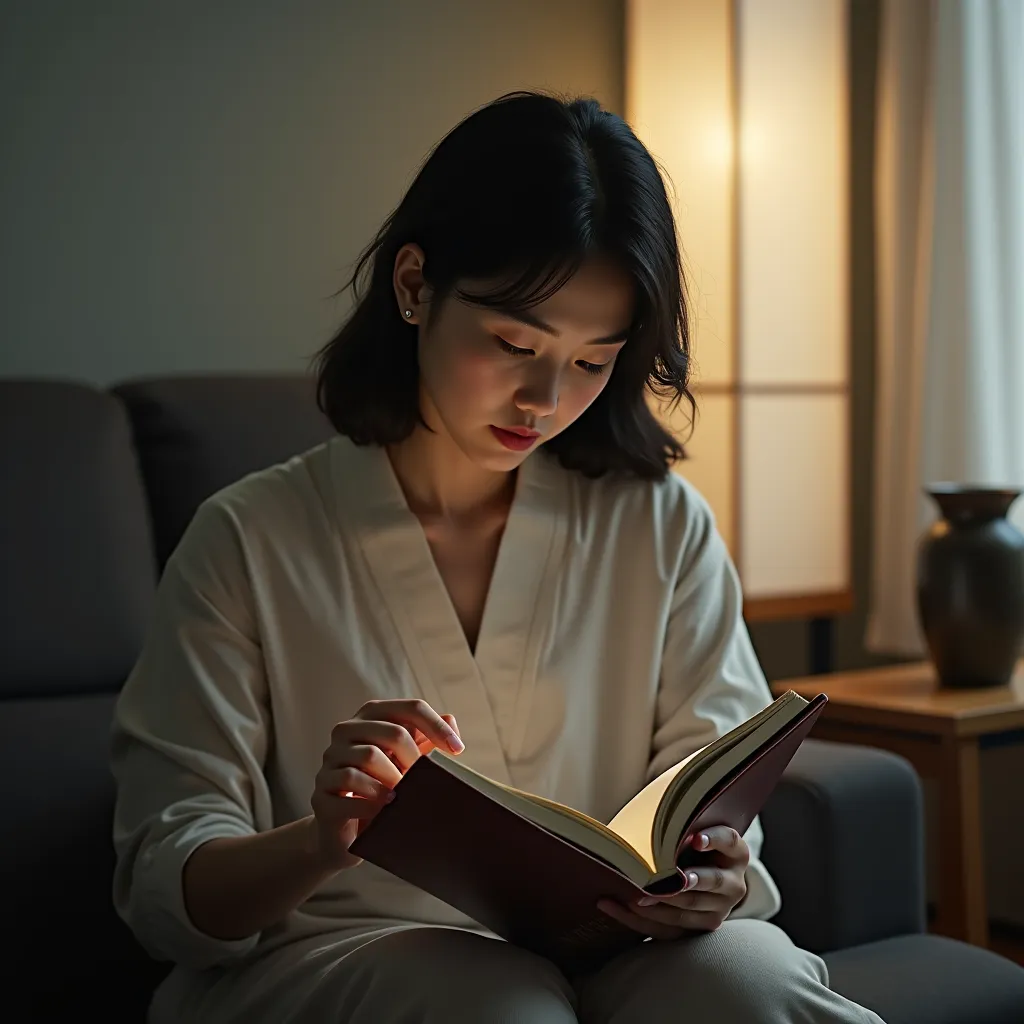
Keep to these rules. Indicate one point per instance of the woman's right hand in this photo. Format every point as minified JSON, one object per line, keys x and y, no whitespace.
{"x":367,"y":757}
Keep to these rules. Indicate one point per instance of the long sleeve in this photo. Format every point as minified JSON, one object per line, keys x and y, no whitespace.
{"x":710,"y":679}
{"x":189,"y":739}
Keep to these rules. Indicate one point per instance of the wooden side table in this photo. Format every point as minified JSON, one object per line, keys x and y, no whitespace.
{"x":901,"y":708}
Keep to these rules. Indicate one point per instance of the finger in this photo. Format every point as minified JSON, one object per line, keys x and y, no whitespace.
{"x":351,"y":781}
{"x":665,"y":921}
{"x":418,"y":734}
{"x":714,"y":879}
{"x":366,"y":757}
{"x":394,"y":740}
{"x":633,"y":920}
{"x":415,"y":714}
{"x":424,"y":743}
{"x":724,"y":840}
{"x":667,"y":909}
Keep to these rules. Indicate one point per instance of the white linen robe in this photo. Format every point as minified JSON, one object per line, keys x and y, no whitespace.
{"x":611,"y":645}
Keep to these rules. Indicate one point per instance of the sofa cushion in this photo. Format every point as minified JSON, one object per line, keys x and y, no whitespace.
{"x":77,"y":571}
{"x":77,"y":578}
{"x":72,"y":954}
{"x":913,"y":979}
{"x":841,"y":887}
{"x":195,"y":435}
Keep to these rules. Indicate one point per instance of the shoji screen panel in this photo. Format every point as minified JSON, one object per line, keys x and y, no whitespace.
{"x":744,"y":104}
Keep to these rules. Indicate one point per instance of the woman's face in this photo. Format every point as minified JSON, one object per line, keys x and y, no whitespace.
{"x":500,"y":387}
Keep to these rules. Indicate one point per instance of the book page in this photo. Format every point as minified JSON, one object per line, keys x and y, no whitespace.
{"x":635,"y":821}
{"x":566,"y":822}
{"x":706,"y":773}
{"x":642,"y":822}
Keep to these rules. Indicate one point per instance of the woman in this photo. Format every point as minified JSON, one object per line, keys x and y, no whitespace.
{"x":491,"y":558}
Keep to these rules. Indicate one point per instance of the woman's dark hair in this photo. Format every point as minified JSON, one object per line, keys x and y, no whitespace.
{"x":523,"y":191}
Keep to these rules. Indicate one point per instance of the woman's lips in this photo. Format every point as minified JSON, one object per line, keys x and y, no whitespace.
{"x":517,"y":440}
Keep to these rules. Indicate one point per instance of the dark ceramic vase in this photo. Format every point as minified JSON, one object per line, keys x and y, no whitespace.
{"x":970,"y":586}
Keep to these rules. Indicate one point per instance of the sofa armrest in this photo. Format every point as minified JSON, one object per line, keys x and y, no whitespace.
{"x":844,"y":841}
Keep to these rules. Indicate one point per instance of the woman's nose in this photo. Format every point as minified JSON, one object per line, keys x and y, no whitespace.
{"x":538,"y":394}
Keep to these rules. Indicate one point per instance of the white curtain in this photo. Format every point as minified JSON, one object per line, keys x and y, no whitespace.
{"x":950,"y":259}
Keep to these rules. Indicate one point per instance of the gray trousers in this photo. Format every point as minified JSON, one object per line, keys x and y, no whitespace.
{"x":747,"y":972}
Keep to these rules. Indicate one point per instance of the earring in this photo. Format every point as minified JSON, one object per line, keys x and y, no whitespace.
{"x":408,"y":313}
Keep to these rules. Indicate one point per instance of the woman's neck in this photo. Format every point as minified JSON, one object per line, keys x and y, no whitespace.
{"x":439,"y":482}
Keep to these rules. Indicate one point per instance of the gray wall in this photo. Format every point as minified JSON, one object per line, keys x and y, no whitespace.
{"x":184,"y":185}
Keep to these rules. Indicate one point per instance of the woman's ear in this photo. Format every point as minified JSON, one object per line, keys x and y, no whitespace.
{"x":411,"y":289}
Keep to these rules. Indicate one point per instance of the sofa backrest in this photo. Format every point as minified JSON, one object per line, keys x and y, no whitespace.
{"x":195,"y":435}
{"x":77,"y":577}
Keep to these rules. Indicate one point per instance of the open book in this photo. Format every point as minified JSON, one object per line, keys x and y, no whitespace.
{"x":532,"y":869}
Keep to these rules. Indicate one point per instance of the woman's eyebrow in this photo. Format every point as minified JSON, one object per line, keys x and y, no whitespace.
{"x":524,"y":316}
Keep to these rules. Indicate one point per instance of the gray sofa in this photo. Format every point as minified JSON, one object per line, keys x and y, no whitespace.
{"x":97,"y":486}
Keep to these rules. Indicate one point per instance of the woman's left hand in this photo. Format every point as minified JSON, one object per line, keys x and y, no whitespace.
{"x":711,"y":891}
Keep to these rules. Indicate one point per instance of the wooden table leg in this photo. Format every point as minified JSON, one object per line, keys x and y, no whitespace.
{"x":963,"y":911}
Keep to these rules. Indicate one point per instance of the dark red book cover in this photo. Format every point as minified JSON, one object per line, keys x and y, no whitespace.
{"x":526,"y":884}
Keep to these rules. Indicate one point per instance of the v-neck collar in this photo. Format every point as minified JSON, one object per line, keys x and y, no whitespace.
{"x":487,"y":692}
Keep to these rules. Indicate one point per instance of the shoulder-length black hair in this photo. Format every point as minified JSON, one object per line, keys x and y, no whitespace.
{"x":523,"y":191}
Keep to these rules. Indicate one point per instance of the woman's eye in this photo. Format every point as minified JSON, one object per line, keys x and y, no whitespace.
{"x":511,"y":349}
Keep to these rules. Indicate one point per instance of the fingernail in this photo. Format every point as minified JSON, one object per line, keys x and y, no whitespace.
{"x":454,"y":742}
{"x":689,"y":879}
{"x":646,"y":901}
{"x":702,"y":840}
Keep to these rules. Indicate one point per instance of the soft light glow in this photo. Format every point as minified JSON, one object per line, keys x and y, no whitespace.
{"x":719,"y":146}
{"x":753,"y":148}
{"x":743,"y":102}
{"x":795,"y":501}
{"x":792,"y":191}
